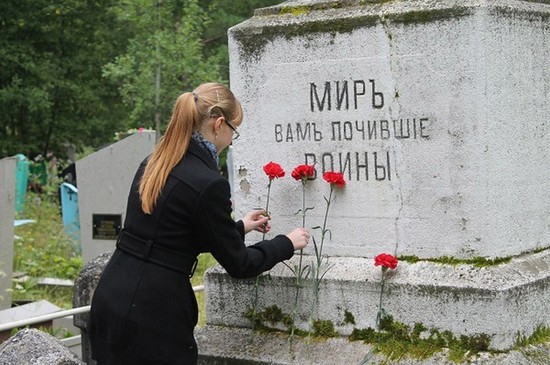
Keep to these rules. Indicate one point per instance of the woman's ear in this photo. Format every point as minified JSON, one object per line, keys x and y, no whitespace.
{"x":218,"y":123}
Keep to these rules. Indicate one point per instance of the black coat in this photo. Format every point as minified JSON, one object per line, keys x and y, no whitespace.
{"x":144,"y":312}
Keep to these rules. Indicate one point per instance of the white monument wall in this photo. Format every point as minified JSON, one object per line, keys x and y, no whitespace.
{"x":449,"y":115}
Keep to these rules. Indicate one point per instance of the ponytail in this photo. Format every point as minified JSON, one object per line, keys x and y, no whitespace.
{"x":169,"y":151}
{"x":190,"y":109}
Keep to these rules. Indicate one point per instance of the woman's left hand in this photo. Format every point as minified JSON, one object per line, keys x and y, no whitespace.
{"x":256,"y":220}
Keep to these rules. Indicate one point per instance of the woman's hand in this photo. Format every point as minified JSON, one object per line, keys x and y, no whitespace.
{"x":299,"y":238}
{"x":256,"y":220}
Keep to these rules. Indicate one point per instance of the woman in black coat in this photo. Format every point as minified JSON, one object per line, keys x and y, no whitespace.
{"x":144,"y":309}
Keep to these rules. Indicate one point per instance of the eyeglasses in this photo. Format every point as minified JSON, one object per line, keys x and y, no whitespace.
{"x":235,"y":133}
{"x":234,"y":129}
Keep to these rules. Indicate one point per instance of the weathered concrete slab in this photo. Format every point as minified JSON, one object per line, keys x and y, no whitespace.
{"x":242,"y":346}
{"x":26,"y":311}
{"x":31,"y":346}
{"x":499,"y":301}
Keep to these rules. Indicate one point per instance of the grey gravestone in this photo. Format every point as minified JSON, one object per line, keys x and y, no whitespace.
{"x":7,"y":206}
{"x":104,"y":180}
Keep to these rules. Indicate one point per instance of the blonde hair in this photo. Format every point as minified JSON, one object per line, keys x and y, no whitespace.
{"x":190,"y":110}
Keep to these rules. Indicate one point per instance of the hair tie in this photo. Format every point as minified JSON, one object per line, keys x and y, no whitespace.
{"x":195,"y":96}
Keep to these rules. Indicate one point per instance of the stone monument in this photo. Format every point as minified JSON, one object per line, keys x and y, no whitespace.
{"x":104,"y":180}
{"x":437,"y":115}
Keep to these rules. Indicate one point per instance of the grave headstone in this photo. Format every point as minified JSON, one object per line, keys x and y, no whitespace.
{"x":104,"y":180}
{"x":7,"y":215}
{"x":437,"y":115}
{"x":69,"y":212}
{"x":21,"y":181}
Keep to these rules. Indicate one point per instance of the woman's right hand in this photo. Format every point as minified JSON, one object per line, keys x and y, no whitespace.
{"x":299,"y":238}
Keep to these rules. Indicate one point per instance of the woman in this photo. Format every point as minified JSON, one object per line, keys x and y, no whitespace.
{"x":144,"y":309}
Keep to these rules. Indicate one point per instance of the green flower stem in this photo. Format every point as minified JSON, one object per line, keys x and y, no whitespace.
{"x":317,"y":276}
{"x":324,"y":229}
{"x":257,"y":282}
{"x":380,"y":308}
{"x":298,"y":274}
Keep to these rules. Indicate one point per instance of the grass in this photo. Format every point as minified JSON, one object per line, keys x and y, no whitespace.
{"x":42,"y":249}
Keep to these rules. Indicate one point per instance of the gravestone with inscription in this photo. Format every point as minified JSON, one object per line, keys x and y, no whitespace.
{"x":437,"y":115}
{"x":104,"y":180}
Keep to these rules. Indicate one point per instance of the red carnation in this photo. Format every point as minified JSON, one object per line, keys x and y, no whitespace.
{"x":386,"y":261}
{"x":334,"y":178}
{"x":273,"y":170}
{"x":303,"y":172}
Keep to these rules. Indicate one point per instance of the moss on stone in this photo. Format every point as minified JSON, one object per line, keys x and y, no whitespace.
{"x":540,"y":335}
{"x":294,"y":10}
{"x":426,"y":16}
{"x":477,"y":261}
{"x":254,"y":40}
{"x":448,"y":260}
{"x":348,"y":317}
{"x":504,"y":11}
{"x":324,"y":328}
{"x":272,"y":315}
{"x":396,"y":340}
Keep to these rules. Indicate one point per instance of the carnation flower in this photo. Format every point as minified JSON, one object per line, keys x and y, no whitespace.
{"x":274,"y":170}
{"x":303,"y":173}
{"x":386,"y":261}
{"x":334,"y":179}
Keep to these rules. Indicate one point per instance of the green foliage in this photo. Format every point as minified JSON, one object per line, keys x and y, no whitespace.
{"x":76,"y":72}
{"x":51,"y":91}
{"x":167,"y":43}
{"x":225,"y":14}
{"x":42,"y":249}
{"x":206,"y":260}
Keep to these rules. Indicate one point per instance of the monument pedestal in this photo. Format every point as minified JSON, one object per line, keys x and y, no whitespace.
{"x":497,"y":303}
{"x":220,"y":345}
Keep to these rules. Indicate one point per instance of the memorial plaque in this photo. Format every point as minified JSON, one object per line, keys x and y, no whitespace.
{"x":106,"y":226}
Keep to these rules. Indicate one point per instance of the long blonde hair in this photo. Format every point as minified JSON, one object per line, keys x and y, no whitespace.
{"x":190,"y":110}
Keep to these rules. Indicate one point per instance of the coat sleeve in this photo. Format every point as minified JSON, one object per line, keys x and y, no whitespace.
{"x":223,"y":238}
